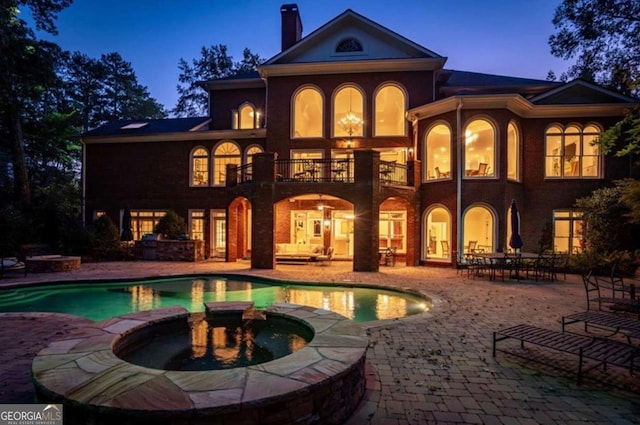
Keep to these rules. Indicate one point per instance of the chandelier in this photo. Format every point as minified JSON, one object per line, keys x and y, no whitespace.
{"x":350,"y":123}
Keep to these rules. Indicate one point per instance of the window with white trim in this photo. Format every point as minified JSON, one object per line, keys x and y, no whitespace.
{"x":479,"y":149}
{"x":348,"y":112}
{"x":568,"y":232}
{"x":572,"y":153}
{"x":199,"y":167}
{"x":143,"y":222}
{"x":390,"y":104}
{"x":308,"y":113}
{"x":226,"y":152}
{"x":437,"y":153}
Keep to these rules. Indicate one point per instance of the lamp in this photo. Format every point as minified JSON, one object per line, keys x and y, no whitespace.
{"x":327,"y":223}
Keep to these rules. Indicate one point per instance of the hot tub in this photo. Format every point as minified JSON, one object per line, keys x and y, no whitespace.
{"x":320,"y":383}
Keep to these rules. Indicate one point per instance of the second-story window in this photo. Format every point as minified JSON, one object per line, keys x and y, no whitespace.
{"x":570,"y":153}
{"x":437,"y":153}
{"x":390,"y":104}
{"x":479,"y":149}
{"x":307,"y":113}
{"x":513,"y":153}
{"x":348,"y":112}
{"x":225,"y":153}
{"x":199,"y":167}
{"x":246,"y":117}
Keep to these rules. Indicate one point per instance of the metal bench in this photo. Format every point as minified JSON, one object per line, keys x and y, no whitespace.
{"x":616,"y":323}
{"x":601,"y":350}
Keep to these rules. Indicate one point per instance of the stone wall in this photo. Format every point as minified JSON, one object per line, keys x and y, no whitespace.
{"x":170,"y":250}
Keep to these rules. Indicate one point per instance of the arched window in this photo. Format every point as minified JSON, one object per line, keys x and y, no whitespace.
{"x":246,"y":117}
{"x":437,"y":234}
{"x":226,"y":152}
{"x":569,"y":152}
{"x":199,"y":167}
{"x":308,"y":114}
{"x":479,"y":149}
{"x":513,"y":153}
{"x":478,"y":228}
{"x":348,"y":112}
{"x":349,"y":45}
{"x":390,"y":104}
{"x":437,"y":153}
{"x":252,"y":150}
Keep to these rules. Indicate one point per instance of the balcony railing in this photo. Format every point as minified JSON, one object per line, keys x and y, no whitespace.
{"x":315,"y":170}
{"x":393,"y":173}
{"x":319,"y":171}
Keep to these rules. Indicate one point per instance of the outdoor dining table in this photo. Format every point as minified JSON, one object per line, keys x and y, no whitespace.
{"x":500,"y":261}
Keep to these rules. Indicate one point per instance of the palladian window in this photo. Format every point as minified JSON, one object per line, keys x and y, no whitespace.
{"x":348,"y":113}
{"x":389,"y":111}
{"x":199,"y":167}
{"x":570,"y":153}
{"x":307,"y":113}
{"x":479,"y":149}
{"x":225,"y":153}
{"x":437,"y":153}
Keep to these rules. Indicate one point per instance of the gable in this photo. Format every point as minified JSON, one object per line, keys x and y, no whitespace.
{"x":378,"y":43}
{"x":579,"y":92}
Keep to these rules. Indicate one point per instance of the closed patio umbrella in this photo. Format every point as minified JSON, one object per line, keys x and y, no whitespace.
{"x":515,"y":241}
{"x":127,"y":234}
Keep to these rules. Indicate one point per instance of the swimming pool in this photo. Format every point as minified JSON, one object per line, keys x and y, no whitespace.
{"x":99,"y":301}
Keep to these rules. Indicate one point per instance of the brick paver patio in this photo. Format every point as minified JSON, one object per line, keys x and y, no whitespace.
{"x":435,"y":368}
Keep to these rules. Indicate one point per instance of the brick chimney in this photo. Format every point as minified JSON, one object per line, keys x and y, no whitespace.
{"x":291,"y":25}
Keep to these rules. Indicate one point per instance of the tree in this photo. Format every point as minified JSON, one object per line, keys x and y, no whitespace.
{"x":122,"y":96}
{"x":213,"y":63}
{"x":605,"y":230}
{"x":604,"y":37}
{"x":27,"y":68}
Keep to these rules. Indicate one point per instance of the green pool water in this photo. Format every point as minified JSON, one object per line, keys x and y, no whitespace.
{"x":99,"y":301}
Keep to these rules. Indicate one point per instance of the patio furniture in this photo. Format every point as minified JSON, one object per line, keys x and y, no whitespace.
{"x":613,"y":322}
{"x":600,"y":350}
{"x":445,"y":249}
{"x":623,"y":299}
{"x":12,"y":265}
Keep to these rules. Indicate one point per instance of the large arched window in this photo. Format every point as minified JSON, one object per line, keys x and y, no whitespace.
{"x":390,"y":104}
{"x":252,"y":150}
{"x":478,"y":229}
{"x":513,"y":153}
{"x":199,"y":167}
{"x":308,"y":113}
{"x":437,"y":153}
{"x":437,"y":234}
{"x":348,"y":112}
{"x":479,"y":149}
{"x":570,"y":153}
{"x":226,"y":152}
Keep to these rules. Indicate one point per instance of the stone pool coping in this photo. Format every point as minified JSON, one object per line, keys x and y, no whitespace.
{"x":96,"y":386}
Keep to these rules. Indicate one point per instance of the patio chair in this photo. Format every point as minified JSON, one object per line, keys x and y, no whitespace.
{"x":445,"y":249}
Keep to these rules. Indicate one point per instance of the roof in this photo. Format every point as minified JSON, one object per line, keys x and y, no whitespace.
{"x":453,"y":82}
{"x":155,"y":126}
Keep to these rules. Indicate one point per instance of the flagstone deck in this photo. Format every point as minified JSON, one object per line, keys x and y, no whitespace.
{"x":434,"y":368}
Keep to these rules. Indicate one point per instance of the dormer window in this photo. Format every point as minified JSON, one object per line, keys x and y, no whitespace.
{"x":349,"y":45}
{"x":246,"y":117}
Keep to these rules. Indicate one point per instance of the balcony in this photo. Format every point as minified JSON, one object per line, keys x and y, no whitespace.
{"x":315,"y":171}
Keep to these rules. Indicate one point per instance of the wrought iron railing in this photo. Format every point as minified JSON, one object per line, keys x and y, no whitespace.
{"x":315,"y":170}
{"x":393,"y":173}
{"x":321,"y":171}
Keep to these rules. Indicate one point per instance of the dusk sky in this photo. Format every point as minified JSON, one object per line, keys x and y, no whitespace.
{"x":505,"y":37}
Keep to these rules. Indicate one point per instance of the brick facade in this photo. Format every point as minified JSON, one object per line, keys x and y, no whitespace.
{"x":151,"y":170}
